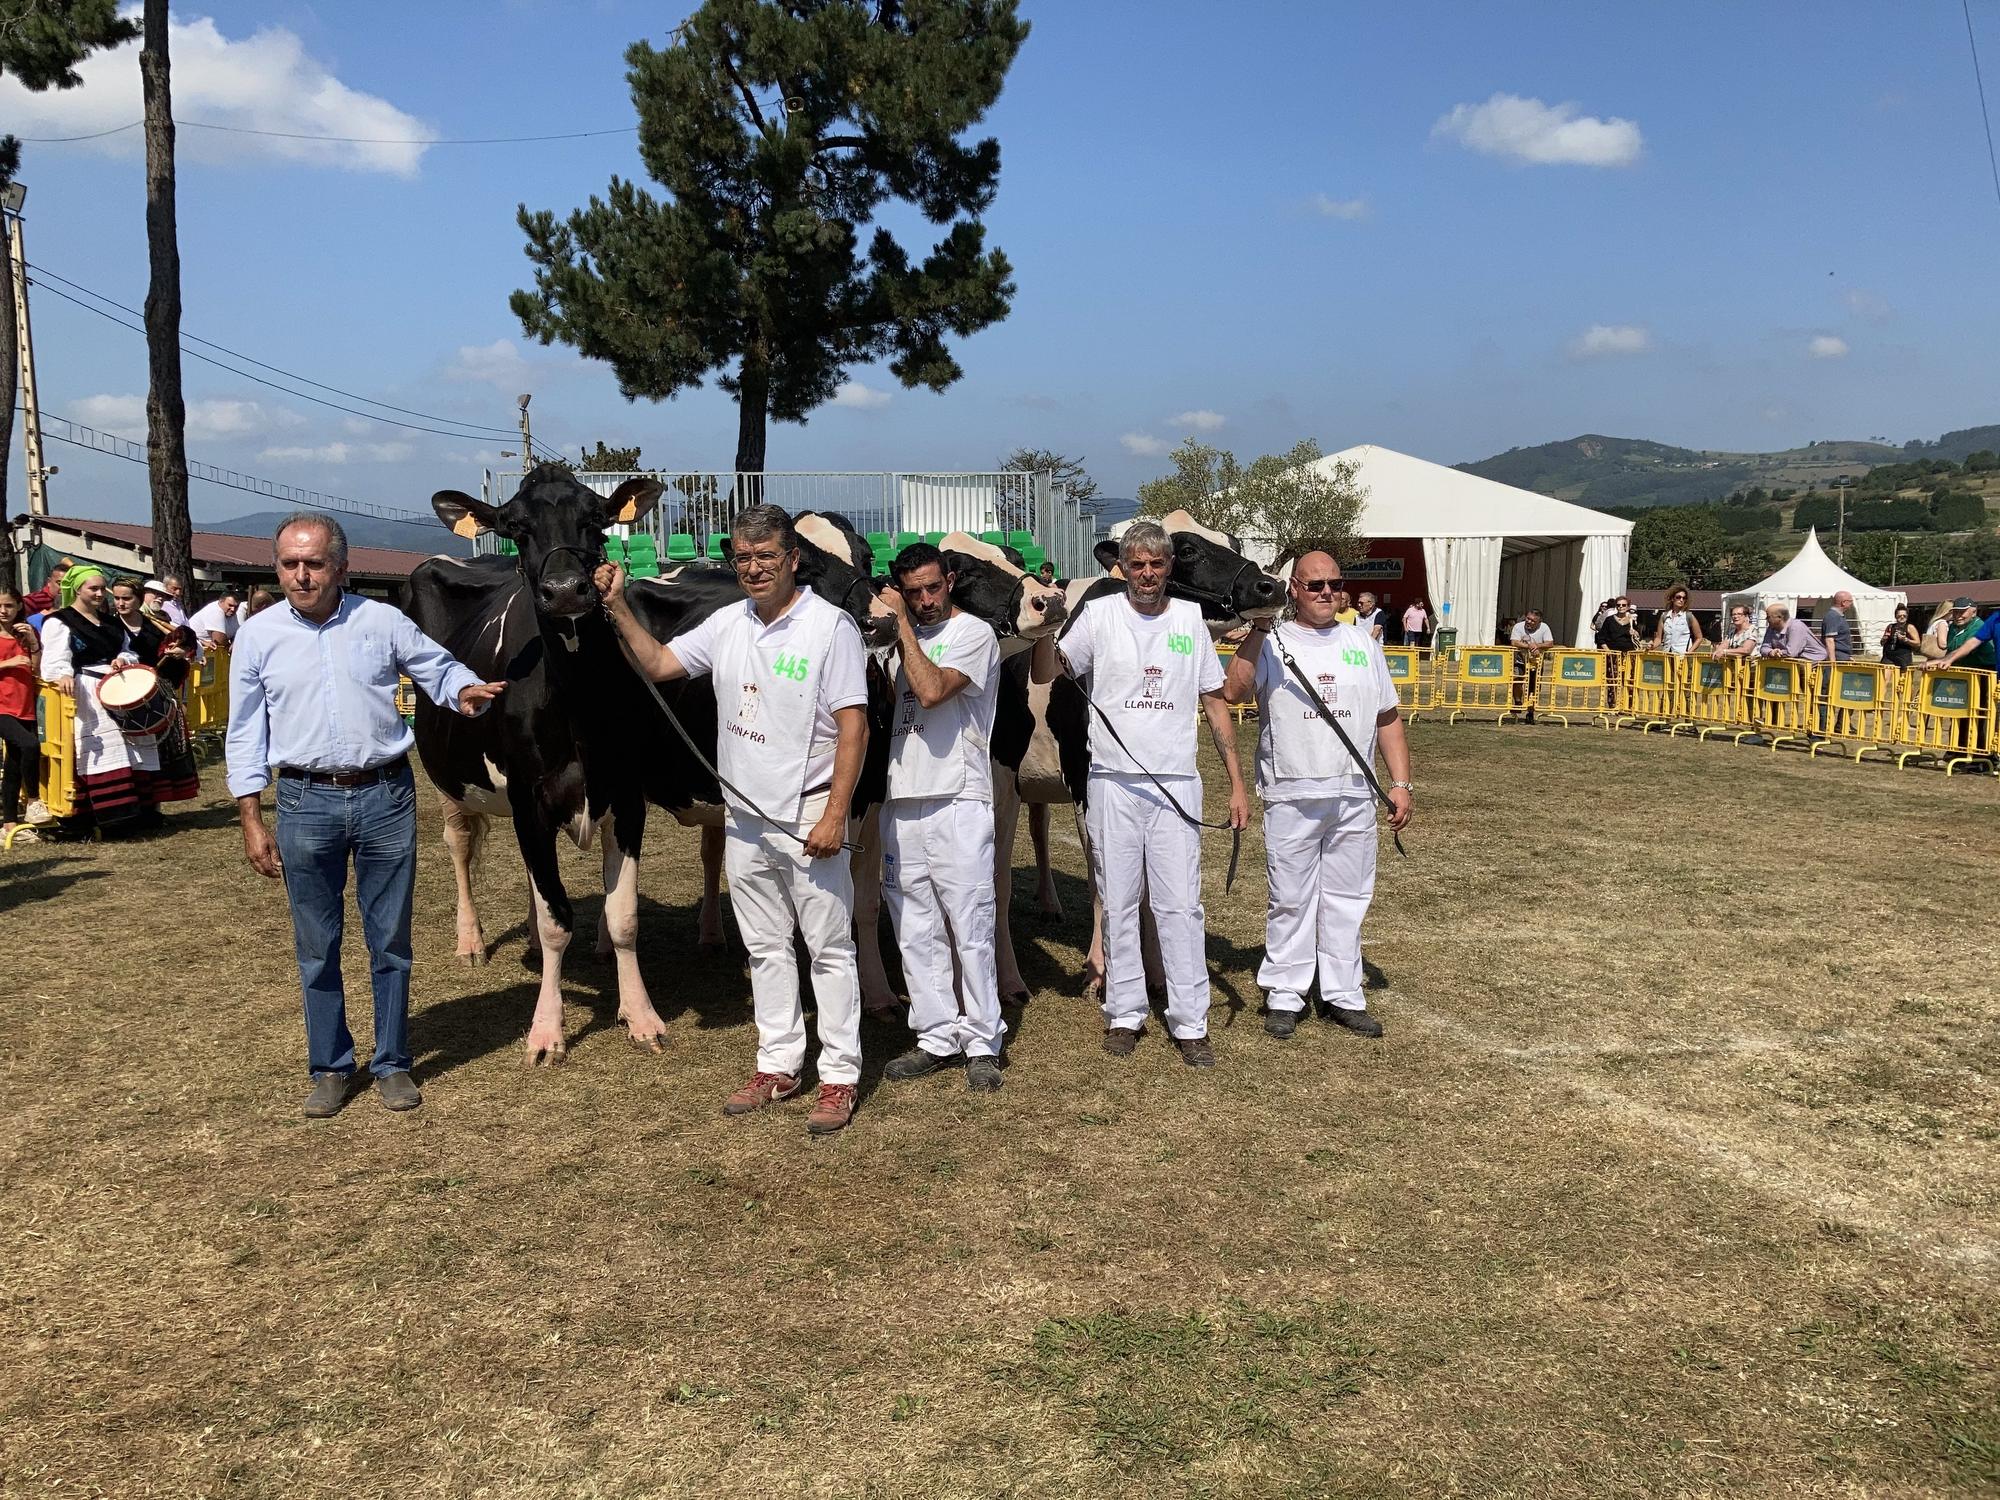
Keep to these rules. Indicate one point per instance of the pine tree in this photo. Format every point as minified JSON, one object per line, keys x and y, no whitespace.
{"x":778,"y":129}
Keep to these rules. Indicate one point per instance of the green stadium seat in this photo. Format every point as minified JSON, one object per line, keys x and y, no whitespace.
{"x":933,"y":537}
{"x":642,"y":556}
{"x":718,"y":547}
{"x":1021,"y":541}
{"x":994,"y":537}
{"x":680,"y":548}
{"x":508,"y":549}
{"x":614,"y":549}
{"x":1034,"y":557}
{"x":906,"y":539}
{"x":880,"y":542}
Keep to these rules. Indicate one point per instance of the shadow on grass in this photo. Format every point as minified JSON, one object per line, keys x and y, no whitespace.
{"x":44,"y":877}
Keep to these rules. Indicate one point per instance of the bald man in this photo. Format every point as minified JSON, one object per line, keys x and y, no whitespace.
{"x":1319,"y":811}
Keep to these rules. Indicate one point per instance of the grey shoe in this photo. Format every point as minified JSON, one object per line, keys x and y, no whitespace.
{"x":982,"y":1075}
{"x":916,"y":1063}
{"x":1121,"y":1041}
{"x":329,"y":1095}
{"x":1360,"y":1022}
{"x":398,"y":1091}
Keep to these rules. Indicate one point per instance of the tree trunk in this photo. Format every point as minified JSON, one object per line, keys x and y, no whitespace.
{"x":10,"y":379}
{"x":753,"y":399}
{"x":166,"y":412}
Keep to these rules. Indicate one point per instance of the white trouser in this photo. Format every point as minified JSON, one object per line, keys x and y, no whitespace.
{"x":1138,"y":842}
{"x":1320,"y":858}
{"x":937,"y":873}
{"x":775,"y":886}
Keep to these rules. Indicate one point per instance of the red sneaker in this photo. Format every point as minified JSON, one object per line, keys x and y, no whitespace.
{"x":832,"y":1108}
{"x":762,"y":1089}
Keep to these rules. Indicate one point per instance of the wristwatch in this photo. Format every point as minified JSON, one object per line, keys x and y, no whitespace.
{"x":1404,"y":786}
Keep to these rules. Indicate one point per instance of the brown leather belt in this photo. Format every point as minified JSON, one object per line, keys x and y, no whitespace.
{"x":348,"y":778}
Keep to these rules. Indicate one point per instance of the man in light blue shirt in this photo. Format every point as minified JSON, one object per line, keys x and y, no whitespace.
{"x":312,"y":697}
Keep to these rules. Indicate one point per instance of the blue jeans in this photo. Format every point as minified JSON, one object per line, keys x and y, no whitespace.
{"x":319,"y":828}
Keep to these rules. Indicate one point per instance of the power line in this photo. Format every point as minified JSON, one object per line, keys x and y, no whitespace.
{"x":1972,"y":41}
{"x":260,"y":364}
{"x":468,"y":436}
{"x":339,"y":140}
{"x":79,"y":436}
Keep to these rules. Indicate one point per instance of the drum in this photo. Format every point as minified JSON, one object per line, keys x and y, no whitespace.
{"x":135,"y":699}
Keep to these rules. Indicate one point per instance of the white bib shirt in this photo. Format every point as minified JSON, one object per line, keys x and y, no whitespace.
{"x":944,"y":751}
{"x":1298,"y":757}
{"x":777,"y":688}
{"x":1147,"y":674}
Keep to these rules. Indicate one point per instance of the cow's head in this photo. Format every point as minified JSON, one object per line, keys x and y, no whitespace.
{"x":837,"y":563}
{"x":557,"y":523}
{"x":990,"y":587}
{"x":1209,"y":568}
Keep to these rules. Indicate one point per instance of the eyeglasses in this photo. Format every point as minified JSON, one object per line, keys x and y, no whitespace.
{"x":756,"y":562}
{"x":1320,"y":585}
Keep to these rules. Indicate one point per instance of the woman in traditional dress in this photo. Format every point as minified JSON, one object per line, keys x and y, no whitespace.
{"x":81,"y":643}
{"x":20,"y":657}
{"x":168,"y":649}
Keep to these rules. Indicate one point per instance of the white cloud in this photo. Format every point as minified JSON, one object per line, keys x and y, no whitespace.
{"x":858,"y":397}
{"x":1866,"y":304}
{"x":1605,"y":340}
{"x":1140,"y":445}
{"x":1827,"y":346}
{"x":499,"y":363}
{"x":1350,"y":209}
{"x":206,"y":419}
{"x":1529,"y":131}
{"x":341,"y":453}
{"x":1198,"y":421}
{"x":262,"y":82}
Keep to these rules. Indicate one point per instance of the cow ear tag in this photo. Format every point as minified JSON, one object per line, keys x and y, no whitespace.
{"x":627,"y":513}
{"x":466,"y":527}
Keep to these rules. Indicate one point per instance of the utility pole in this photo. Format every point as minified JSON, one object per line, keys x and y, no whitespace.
{"x":527,"y":436}
{"x":24,"y":353}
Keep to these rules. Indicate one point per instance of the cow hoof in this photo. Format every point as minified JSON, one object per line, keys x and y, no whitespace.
{"x":1015,"y":998}
{"x":655,"y":1043}
{"x":542,"y":1050}
{"x":476,"y":959}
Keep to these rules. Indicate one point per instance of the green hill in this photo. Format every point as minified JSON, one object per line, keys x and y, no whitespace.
{"x":1601,"y":471}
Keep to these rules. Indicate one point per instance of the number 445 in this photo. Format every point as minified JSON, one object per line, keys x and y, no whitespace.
{"x":790,"y":664}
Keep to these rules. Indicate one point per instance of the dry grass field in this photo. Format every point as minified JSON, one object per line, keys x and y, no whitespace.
{"x":1674,"y":1175}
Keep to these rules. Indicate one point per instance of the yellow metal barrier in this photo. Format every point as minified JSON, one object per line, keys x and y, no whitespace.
{"x":1412,"y":670}
{"x":1650,"y":694}
{"x":1481,"y":681}
{"x":1948,"y":716}
{"x":1863,"y":710}
{"x":57,"y":718}
{"x":1784,"y":701}
{"x":1574,"y":683}
{"x":1715,"y":697}
{"x":206,"y":698}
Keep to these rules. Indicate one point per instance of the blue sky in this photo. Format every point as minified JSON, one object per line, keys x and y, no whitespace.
{"x":1446,"y":228}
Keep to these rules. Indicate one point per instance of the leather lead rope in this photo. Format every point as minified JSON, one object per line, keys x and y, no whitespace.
{"x":709,"y":766}
{"x":1367,"y":770}
{"x":1235,"y":834}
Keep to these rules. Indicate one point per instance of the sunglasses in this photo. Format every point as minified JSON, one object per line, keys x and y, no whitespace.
{"x":1320,"y":585}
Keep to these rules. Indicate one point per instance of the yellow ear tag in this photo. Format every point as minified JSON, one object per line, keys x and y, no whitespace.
{"x":466,"y":527}
{"x":627,"y":513}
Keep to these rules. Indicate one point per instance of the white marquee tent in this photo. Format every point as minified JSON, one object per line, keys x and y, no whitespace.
{"x":1814,"y":575}
{"x":1490,"y":549}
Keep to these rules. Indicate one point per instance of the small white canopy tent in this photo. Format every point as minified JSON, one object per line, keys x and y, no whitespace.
{"x":1814,"y":575}
{"x":1490,"y":549}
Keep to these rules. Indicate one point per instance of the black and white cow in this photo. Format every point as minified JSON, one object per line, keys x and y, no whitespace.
{"x":576,"y":744}
{"x":1041,"y":732}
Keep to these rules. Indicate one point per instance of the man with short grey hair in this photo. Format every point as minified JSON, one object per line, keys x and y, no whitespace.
{"x":1784,"y":636}
{"x":312,"y":698}
{"x":1836,"y":631}
{"x":1145,"y":661}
